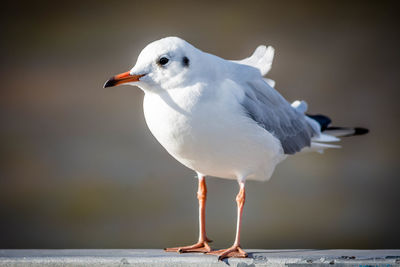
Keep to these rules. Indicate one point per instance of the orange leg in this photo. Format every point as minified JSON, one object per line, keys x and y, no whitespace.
{"x":235,"y":250}
{"x":202,"y":244}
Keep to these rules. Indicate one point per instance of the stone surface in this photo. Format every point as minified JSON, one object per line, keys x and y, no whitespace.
{"x":157,"y":257}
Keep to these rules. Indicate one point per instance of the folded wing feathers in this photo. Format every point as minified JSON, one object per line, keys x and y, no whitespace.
{"x":270,"y":82}
{"x":272,"y":112}
{"x":261,"y":59}
{"x":268,"y":108}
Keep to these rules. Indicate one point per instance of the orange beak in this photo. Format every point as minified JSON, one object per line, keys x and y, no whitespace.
{"x":122,"y":78}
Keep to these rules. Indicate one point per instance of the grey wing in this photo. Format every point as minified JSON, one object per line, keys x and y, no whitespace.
{"x":271,"y":111}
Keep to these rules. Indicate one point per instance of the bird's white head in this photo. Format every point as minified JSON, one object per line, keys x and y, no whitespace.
{"x":162,"y":65}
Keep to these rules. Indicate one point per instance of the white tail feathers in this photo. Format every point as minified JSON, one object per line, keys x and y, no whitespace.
{"x":325,"y":138}
{"x":319,"y":147}
{"x":340,"y":131}
{"x":328,"y":133}
{"x":318,"y":142}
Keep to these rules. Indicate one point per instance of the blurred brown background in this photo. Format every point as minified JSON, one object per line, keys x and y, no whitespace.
{"x":80,"y":169}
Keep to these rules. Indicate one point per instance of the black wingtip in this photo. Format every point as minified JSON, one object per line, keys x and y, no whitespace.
{"x":360,"y":131}
{"x":110,"y":83}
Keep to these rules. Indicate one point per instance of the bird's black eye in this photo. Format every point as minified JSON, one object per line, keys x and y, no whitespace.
{"x":163,"y":60}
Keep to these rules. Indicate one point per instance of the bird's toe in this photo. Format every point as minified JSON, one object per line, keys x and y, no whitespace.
{"x":201,"y":247}
{"x":232,"y":252}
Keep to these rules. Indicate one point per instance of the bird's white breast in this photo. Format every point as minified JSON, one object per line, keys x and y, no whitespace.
{"x":209,"y":133}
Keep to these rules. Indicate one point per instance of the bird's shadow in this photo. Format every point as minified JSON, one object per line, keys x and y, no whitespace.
{"x":253,"y":255}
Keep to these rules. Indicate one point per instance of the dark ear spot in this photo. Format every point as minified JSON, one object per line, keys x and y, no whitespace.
{"x":185,"y":62}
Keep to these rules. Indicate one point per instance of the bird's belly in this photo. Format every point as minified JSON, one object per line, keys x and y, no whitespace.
{"x":213,"y":141}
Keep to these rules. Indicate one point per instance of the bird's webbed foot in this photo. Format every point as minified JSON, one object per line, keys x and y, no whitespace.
{"x":232,"y":252}
{"x":201,"y":246}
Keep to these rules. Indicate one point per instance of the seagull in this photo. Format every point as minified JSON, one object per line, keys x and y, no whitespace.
{"x":222,"y":118}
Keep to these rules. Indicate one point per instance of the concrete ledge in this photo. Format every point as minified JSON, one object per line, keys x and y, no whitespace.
{"x":157,"y":257}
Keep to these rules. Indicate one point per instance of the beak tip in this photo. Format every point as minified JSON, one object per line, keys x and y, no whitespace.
{"x":111,"y":82}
